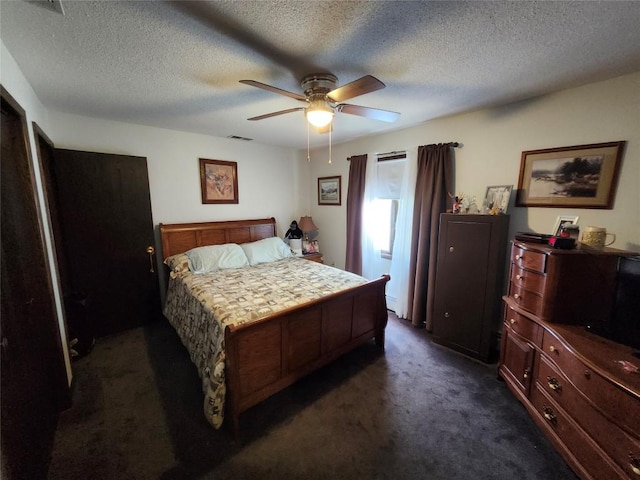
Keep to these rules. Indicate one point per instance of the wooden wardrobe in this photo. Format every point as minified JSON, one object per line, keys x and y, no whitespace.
{"x":469,"y":283}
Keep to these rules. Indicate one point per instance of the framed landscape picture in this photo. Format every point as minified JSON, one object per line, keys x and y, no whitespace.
{"x":329,"y":190}
{"x":582,"y":176}
{"x":218,"y":181}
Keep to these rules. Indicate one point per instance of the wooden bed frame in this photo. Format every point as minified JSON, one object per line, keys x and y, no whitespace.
{"x":272,"y":353}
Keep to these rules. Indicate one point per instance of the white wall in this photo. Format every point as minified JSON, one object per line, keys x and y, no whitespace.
{"x":266,"y":175}
{"x":492,"y":142}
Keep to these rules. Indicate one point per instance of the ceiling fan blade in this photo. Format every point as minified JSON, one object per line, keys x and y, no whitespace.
{"x":275,"y":114}
{"x":374,"y":113}
{"x":269,"y":88}
{"x":356,"y":88}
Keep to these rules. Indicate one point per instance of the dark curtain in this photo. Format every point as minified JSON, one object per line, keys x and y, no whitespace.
{"x":433,"y":184}
{"x":355,"y":200}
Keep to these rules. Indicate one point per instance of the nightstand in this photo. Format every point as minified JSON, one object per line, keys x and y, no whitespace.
{"x":314,"y":257}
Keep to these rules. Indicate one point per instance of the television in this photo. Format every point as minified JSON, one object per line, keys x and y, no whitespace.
{"x":626,"y":313}
{"x":624,"y":324}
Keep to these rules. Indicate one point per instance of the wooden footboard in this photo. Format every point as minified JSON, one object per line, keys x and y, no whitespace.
{"x":264,"y":357}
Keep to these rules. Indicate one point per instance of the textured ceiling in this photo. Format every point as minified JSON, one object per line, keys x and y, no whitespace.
{"x":177,"y":65}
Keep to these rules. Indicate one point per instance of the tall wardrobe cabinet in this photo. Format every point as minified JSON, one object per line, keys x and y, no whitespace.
{"x":469,"y":283}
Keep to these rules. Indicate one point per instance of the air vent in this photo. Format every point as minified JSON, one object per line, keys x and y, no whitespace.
{"x":237,"y":137}
{"x":53,"y":5}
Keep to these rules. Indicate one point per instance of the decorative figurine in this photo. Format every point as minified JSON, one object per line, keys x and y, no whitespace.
{"x":457,"y":202}
{"x":294,"y":231}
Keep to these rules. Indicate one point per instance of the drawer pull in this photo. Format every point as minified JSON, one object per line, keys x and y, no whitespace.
{"x":518,"y":257}
{"x":554,"y":384}
{"x":552,"y":349}
{"x":527,"y":372}
{"x":512,"y":321}
{"x":518,"y":277}
{"x":634,"y":463}
{"x":549,"y":414}
{"x":516,"y":296}
{"x":587,"y":374}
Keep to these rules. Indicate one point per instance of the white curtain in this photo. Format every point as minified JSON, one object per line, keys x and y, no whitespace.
{"x":398,"y":287}
{"x":373,"y":265}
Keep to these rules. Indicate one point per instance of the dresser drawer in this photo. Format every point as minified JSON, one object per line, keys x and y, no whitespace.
{"x":621,"y":447}
{"x":529,"y":260}
{"x":618,"y":404}
{"x":528,"y":280}
{"x":527,"y":329}
{"x":526,"y":299}
{"x":592,"y":459}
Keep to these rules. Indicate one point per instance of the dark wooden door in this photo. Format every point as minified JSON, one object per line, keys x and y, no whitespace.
{"x":104,"y":210}
{"x":32,"y":365}
{"x":461,"y":291}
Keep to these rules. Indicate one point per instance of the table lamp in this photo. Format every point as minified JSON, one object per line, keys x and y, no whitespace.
{"x":306,"y":225}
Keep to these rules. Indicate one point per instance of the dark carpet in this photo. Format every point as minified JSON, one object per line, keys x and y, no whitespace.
{"x":416,"y":411}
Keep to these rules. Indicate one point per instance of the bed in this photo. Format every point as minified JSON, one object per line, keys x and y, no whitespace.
{"x":243,"y":359}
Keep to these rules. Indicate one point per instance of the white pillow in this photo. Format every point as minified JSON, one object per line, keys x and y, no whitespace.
{"x":266,"y":250}
{"x":212,"y":258}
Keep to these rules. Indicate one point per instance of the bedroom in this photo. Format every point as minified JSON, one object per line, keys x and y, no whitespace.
{"x":492,"y":138}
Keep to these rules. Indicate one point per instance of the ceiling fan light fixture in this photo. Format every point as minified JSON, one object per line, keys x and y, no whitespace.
{"x":319,"y":114}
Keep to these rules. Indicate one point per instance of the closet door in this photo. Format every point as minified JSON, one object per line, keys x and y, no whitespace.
{"x":104,"y":211}
{"x":469,"y":283}
{"x":33,"y":371}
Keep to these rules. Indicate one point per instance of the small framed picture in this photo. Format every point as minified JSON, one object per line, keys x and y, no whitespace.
{"x":310,"y":247}
{"x":329,"y":190}
{"x":218,"y":181}
{"x":497,"y":198}
{"x":563,"y":220}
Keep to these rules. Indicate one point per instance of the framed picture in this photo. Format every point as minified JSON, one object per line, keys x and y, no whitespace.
{"x":310,"y":247}
{"x":582,"y":176}
{"x":497,"y":198}
{"x":329,"y":190}
{"x":562,"y":220}
{"x":218,"y":181}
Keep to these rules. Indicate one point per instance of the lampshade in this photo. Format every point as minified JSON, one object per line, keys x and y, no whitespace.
{"x":319,"y":113}
{"x":306,"y":224}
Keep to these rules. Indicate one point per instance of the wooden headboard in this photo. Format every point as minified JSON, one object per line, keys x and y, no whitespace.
{"x":180,"y":237}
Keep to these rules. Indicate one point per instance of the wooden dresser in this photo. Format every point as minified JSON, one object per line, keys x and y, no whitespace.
{"x":573,"y":382}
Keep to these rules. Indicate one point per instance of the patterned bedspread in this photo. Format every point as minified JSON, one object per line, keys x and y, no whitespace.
{"x":200,"y":307}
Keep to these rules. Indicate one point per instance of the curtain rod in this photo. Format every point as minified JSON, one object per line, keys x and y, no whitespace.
{"x":450,"y":144}
{"x":404,"y":152}
{"x":395,"y":152}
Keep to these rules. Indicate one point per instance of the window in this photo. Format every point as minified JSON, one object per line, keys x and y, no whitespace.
{"x":391,"y":169}
{"x":386,"y":210}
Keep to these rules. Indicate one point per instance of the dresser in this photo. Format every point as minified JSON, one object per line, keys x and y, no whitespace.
{"x":579,"y":388}
{"x":469,"y":283}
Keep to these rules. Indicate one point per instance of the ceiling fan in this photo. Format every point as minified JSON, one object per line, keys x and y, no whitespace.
{"x":322,"y":96}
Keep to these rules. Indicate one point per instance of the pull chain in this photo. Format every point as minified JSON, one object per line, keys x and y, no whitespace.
{"x":308,"y":157}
